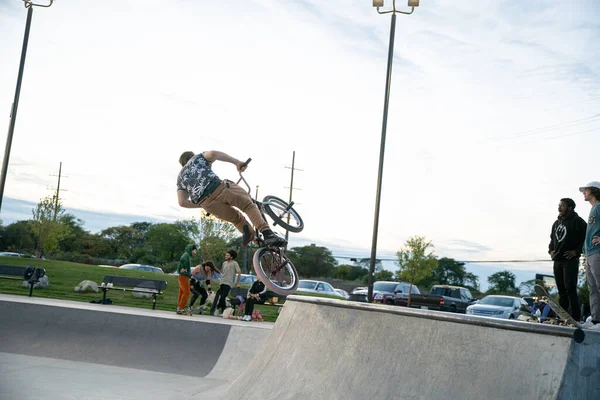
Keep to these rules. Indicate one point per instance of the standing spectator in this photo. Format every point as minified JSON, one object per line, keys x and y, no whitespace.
{"x":256,"y":294}
{"x":229,"y":270}
{"x":200,"y":275}
{"x":591,"y":194}
{"x":566,"y":245}
{"x":184,"y":270}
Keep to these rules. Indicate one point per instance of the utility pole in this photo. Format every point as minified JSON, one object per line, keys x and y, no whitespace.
{"x":56,"y":197}
{"x":291,"y":190}
{"x":15,"y":105}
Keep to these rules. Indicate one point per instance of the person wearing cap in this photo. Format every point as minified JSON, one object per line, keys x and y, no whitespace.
{"x":199,"y":187}
{"x":565,"y":248}
{"x":591,"y":249}
{"x":184,"y":269}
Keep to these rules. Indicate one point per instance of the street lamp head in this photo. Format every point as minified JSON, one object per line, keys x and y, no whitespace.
{"x":413,"y":3}
{"x":377,"y":3}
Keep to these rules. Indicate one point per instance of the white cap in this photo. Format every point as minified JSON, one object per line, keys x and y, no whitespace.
{"x":595,"y":184}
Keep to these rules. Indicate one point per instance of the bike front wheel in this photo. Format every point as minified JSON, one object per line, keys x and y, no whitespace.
{"x":276,"y":271}
{"x":283,"y":214}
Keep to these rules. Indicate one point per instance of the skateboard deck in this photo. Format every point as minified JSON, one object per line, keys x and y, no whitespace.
{"x":561,"y":312}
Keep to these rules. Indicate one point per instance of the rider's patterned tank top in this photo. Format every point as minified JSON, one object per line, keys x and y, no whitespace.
{"x":197,"y":178}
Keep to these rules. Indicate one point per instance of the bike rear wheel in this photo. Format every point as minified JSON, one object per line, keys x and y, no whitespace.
{"x":276,"y":271}
{"x":282,"y":214}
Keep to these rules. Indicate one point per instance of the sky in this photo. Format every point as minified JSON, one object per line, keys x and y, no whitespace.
{"x":493,"y":116}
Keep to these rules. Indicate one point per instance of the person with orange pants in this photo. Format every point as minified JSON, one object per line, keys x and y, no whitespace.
{"x":184,"y":269}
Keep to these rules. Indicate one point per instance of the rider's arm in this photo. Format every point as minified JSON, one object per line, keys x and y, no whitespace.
{"x":184,"y":200}
{"x":213,"y":155}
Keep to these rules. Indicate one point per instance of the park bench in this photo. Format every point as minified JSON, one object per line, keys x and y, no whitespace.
{"x":30,"y":273}
{"x":136,"y":285}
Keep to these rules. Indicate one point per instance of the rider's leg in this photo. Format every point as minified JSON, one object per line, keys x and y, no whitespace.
{"x":195,"y":292}
{"x":232,"y":195}
{"x":237,"y":197}
{"x":225,"y":212}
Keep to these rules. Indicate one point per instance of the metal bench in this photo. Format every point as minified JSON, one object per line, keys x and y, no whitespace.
{"x":30,"y":273}
{"x":139,"y":285}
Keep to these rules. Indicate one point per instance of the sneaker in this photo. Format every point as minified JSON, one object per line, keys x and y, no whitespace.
{"x":248,"y":236}
{"x":216,"y":313}
{"x":246,"y":318}
{"x":272,"y":239}
{"x":587,"y":325}
{"x":179,"y":311}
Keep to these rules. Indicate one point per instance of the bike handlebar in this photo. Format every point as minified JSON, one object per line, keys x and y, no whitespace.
{"x":242,"y":178}
{"x":244,"y":165}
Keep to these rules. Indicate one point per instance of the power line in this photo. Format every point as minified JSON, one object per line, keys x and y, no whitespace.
{"x":461,"y":261}
{"x":536,"y":131}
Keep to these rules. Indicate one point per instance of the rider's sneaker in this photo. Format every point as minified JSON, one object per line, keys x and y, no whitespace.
{"x":272,"y":239}
{"x":248,"y":236}
{"x":179,"y":311}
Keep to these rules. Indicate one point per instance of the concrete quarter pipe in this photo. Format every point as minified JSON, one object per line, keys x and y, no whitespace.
{"x":318,"y":349}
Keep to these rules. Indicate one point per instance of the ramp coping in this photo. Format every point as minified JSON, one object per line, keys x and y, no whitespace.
{"x":520,"y":326}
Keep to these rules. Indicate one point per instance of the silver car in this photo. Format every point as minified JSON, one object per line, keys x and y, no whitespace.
{"x":310,"y":286}
{"x":496,"y":306}
{"x":142,"y":267}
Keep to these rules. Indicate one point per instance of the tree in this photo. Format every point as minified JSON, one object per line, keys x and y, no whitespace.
{"x":215,"y":236}
{"x":164,"y":243}
{"x":450,"y":272}
{"x":366,"y":263}
{"x":121,"y":242}
{"x":416,"y":261}
{"x":45,"y":224}
{"x":71,"y":234}
{"x":312,"y":261}
{"x":350,"y":272}
{"x":502,"y":282}
{"x":18,"y":237}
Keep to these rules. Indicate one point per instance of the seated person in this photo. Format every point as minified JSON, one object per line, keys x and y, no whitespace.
{"x":256,"y":294}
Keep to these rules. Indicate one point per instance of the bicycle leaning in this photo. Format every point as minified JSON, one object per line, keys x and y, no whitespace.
{"x":270,"y":263}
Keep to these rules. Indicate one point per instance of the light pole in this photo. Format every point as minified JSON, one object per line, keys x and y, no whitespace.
{"x":13,"y":112}
{"x":388,"y":81}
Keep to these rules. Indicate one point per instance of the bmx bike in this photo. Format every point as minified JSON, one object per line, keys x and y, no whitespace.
{"x":271,"y":264}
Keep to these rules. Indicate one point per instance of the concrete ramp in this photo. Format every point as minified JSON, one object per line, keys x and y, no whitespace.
{"x":328,"y":349}
{"x":53,"y":349}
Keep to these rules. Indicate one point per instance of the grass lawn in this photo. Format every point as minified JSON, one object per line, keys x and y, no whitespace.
{"x":64,"y":276}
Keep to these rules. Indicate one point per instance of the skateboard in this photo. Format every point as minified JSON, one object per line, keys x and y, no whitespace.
{"x":561,"y":312}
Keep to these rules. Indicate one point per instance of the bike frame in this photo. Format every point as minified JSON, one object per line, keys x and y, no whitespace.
{"x":259,"y":237}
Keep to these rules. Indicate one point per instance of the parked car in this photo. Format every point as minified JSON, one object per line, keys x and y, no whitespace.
{"x":496,"y":306}
{"x":359,"y":289}
{"x":342,"y":293}
{"x":443,"y":298}
{"x":310,"y":286}
{"x":142,"y":267}
{"x":10,"y":254}
{"x":385,"y":291}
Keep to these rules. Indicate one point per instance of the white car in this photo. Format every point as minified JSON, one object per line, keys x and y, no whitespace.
{"x":142,"y":267}
{"x":496,"y":306}
{"x":342,"y":293}
{"x":309,"y":286}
